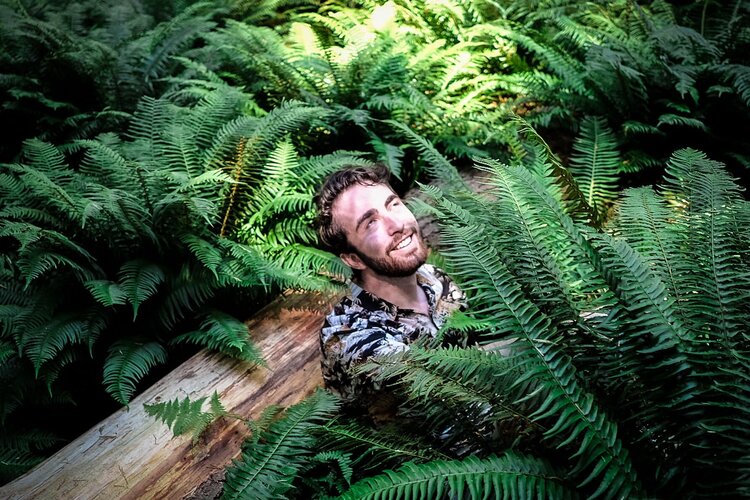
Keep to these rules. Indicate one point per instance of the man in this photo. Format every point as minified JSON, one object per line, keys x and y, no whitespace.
{"x":395,"y":297}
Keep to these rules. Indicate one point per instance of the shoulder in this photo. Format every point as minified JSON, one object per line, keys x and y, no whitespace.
{"x":442,"y":283}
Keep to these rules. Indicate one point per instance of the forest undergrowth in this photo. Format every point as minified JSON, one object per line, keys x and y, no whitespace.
{"x":158,"y":165}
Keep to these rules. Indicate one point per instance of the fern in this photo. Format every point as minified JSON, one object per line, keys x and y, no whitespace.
{"x":344,"y":463}
{"x":374,"y":449}
{"x":267,"y":470}
{"x":595,"y":163}
{"x":188,"y":289}
{"x":512,"y":313}
{"x":438,"y":166}
{"x":15,"y":462}
{"x":739,"y":77}
{"x":128,"y":361}
{"x":511,"y":475}
{"x":138,"y":280}
{"x":682,"y":121}
{"x":223,"y":333}
{"x":187,"y":416}
{"x":41,"y":343}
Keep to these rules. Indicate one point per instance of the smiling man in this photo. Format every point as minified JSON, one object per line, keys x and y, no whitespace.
{"x":395,"y":298}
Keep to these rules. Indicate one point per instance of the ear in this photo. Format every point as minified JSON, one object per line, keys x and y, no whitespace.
{"x":352,"y":260}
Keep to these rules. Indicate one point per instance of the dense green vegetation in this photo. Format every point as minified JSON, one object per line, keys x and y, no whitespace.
{"x":159,"y":161}
{"x":626,"y":372}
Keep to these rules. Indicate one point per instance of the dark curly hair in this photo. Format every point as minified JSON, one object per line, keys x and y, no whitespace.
{"x":331,"y":235}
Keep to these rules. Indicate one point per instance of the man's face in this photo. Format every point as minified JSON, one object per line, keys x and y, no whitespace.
{"x":382,"y":231}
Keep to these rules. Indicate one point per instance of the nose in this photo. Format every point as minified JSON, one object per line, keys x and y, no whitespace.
{"x":394,"y":224}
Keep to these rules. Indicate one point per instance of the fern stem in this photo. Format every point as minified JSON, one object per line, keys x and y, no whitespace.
{"x":237,"y":173}
{"x":144,"y":189}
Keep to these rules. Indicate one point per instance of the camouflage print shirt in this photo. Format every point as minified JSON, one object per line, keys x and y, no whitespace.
{"x":362,"y":325}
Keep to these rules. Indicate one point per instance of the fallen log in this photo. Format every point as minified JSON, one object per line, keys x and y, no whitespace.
{"x":131,"y":455}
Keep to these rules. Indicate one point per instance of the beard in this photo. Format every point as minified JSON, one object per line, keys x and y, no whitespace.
{"x":397,"y":266}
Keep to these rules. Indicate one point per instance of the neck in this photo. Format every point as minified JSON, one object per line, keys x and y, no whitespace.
{"x":404,"y":292}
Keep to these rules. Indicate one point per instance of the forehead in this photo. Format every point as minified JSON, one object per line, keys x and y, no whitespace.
{"x":356,"y":200}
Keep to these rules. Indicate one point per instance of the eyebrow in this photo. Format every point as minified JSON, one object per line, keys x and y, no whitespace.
{"x":372,"y":211}
{"x":364,"y":217}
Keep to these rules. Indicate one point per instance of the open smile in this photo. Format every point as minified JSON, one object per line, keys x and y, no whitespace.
{"x":403,"y":243}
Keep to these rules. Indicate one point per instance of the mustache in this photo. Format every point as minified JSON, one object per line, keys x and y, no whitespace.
{"x":405,"y":233}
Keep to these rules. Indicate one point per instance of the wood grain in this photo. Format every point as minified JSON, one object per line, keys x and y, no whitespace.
{"x":131,"y":455}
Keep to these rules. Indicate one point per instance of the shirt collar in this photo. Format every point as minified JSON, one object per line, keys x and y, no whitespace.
{"x":428,"y":281}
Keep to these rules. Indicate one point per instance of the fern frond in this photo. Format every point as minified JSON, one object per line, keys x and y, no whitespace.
{"x":203,"y":250}
{"x":37,"y":261}
{"x":43,"y":343}
{"x":104,"y":163}
{"x":107,"y":293}
{"x":187,"y":416}
{"x":308,"y":259}
{"x":653,"y":339}
{"x":739,"y":77}
{"x":438,"y":166}
{"x":128,"y":361}
{"x":139,"y":279}
{"x":633,"y":127}
{"x":14,"y":462}
{"x":682,"y":121}
{"x":224,"y":333}
{"x":509,"y":476}
{"x":566,"y":403}
{"x":267,"y":469}
{"x":570,"y":70}
{"x":388,"y":154}
{"x":185,"y":292}
{"x":710,"y":196}
{"x":172,"y":37}
{"x":373,"y":448}
{"x":595,"y":163}
{"x":644,"y":221}
{"x":532,"y":243}
{"x":545,"y":159}
{"x":31,"y":440}
{"x":464,"y":394}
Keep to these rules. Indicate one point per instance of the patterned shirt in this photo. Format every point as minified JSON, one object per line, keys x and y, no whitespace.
{"x":362,"y":325}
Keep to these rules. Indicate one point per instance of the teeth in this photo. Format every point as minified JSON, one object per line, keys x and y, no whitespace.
{"x":404,"y":243}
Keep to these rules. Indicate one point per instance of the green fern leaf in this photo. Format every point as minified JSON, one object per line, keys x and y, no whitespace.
{"x":204,"y":251}
{"x":681,"y":121}
{"x":653,"y":340}
{"x":595,"y":163}
{"x":139,"y":279}
{"x":185,"y":292}
{"x":7,"y":349}
{"x":739,"y":77}
{"x":187,"y":416}
{"x":389,"y":154}
{"x":266,"y":470}
{"x":344,"y":461}
{"x":632,"y":127}
{"x":438,"y":166}
{"x":566,"y":402}
{"x":45,"y":341}
{"x":224,"y":333}
{"x":373,"y":449}
{"x":14,"y":462}
{"x":509,"y":476}
{"x":128,"y":361}
{"x":106,"y":292}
